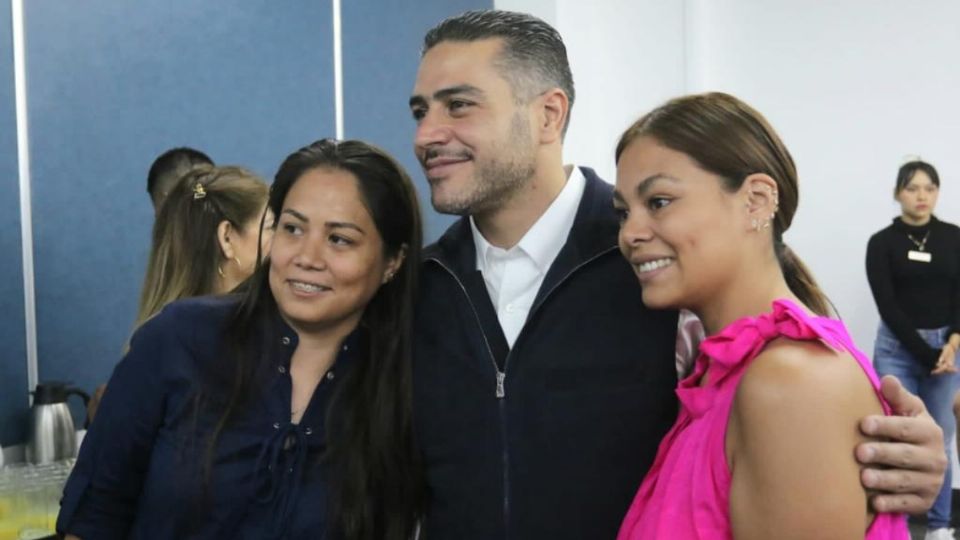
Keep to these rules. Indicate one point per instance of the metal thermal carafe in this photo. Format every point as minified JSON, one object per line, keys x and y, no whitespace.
{"x":52,"y":435}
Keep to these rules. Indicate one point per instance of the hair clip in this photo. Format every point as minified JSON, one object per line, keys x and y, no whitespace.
{"x":198,"y":191}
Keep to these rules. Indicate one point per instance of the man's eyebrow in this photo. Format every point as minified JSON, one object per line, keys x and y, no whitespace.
{"x":444,"y":93}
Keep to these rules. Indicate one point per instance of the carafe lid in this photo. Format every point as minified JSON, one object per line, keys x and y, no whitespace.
{"x":50,"y":392}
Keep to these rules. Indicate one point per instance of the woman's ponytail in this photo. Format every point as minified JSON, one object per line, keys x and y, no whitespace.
{"x":800,"y":280}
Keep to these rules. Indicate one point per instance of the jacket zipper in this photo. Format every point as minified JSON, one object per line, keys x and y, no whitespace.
{"x":500,"y":391}
{"x":501,"y":375}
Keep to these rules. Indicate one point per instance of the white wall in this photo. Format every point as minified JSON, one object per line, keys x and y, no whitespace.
{"x":627,"y":56}
{"x":852,"y":87}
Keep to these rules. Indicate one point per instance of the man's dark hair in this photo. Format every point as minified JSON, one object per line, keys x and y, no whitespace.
{"x":533,"y":59}
{"x":169,"y":167}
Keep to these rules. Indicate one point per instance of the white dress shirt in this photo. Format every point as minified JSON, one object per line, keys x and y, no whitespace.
{"x":513,"y":276}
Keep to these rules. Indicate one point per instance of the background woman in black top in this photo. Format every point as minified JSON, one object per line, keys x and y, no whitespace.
{"x":913,"y":267}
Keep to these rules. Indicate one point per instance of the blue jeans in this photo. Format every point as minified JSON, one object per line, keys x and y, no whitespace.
{"x":936,"y":391}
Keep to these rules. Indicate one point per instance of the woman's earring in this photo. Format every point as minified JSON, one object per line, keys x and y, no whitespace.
{"x":755,"y":224}
{"x":220,"y":270}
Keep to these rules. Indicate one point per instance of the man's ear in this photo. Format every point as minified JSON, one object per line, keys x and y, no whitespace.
{"x":553,"y":112}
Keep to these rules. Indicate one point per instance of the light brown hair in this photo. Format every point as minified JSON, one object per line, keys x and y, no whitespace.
{"x":185,"y":253}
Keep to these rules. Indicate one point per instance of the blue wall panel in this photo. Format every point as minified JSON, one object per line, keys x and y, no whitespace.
{"x":112,"y":85}
{"x":379,"y":70}
{"x":13,"y":356}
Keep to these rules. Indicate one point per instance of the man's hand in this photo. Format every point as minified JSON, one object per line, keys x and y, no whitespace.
{"x":908,"y":469}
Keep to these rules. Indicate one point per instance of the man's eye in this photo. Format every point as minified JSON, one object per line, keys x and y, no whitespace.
{"x":418,"y":114}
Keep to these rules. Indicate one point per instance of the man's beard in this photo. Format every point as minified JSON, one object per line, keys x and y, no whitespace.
{"x":496,"y":181}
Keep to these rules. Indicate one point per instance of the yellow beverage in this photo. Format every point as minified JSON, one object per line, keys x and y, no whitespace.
{"x":9,"y":530}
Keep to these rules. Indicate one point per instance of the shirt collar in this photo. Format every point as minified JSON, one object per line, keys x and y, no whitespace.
{"x":543,"y":241}
{"x":285,"y":337}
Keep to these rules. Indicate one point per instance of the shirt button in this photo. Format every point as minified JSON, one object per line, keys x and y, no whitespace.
{"x":330,"y":375}
{"x":346,"y":347}
{"x":276,"y":425}
{"x":308,"y":431}
{"x":281,"y":369}
{"x":510,"y":308}
{"x":285,"y":340}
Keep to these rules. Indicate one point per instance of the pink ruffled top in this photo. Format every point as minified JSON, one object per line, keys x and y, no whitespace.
{"x":686,"y":493}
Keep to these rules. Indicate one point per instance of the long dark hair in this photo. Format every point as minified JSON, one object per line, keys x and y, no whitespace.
{"x":731,"y":139}
{"x":376,"y":484}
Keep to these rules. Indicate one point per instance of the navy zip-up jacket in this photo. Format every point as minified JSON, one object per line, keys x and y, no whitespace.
{"x":549,"y":439}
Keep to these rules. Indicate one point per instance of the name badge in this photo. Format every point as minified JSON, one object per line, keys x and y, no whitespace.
{"x":920,"y":256}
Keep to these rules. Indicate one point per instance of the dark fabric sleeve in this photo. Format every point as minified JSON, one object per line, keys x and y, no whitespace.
{"x":101,"y":496}
{"x":880,"y":276}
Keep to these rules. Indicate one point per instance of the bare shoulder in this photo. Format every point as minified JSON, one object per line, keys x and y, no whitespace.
{"x":800,"y":391}
{"x":790,"y":444}
{"x":807,"y":373}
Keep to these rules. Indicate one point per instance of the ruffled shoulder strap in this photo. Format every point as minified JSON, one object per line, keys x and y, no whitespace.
{"x":745,"y":338}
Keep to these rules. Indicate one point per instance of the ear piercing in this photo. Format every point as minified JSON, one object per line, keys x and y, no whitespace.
{"x":756,"y":224}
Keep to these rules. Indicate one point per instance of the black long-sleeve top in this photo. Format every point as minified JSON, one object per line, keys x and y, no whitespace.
{"x":913,"y":294}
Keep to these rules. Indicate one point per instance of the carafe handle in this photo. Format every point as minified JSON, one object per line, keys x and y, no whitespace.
{"x":77,"y":391}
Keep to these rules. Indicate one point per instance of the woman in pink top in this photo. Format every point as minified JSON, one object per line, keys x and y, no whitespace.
{"x":763,"y":445}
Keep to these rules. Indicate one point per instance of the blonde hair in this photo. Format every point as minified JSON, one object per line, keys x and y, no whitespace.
{"x":185,"y":252}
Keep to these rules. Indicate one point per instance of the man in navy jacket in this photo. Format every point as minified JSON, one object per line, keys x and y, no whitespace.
{"x":542,"y":385}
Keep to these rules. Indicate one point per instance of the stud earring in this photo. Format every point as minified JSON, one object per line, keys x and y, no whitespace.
{"x":755,"y":224}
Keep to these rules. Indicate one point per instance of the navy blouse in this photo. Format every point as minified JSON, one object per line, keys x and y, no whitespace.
{"x":142,"y":472}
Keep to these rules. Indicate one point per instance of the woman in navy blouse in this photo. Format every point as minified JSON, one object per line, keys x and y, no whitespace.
{"x":283,"y":412}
